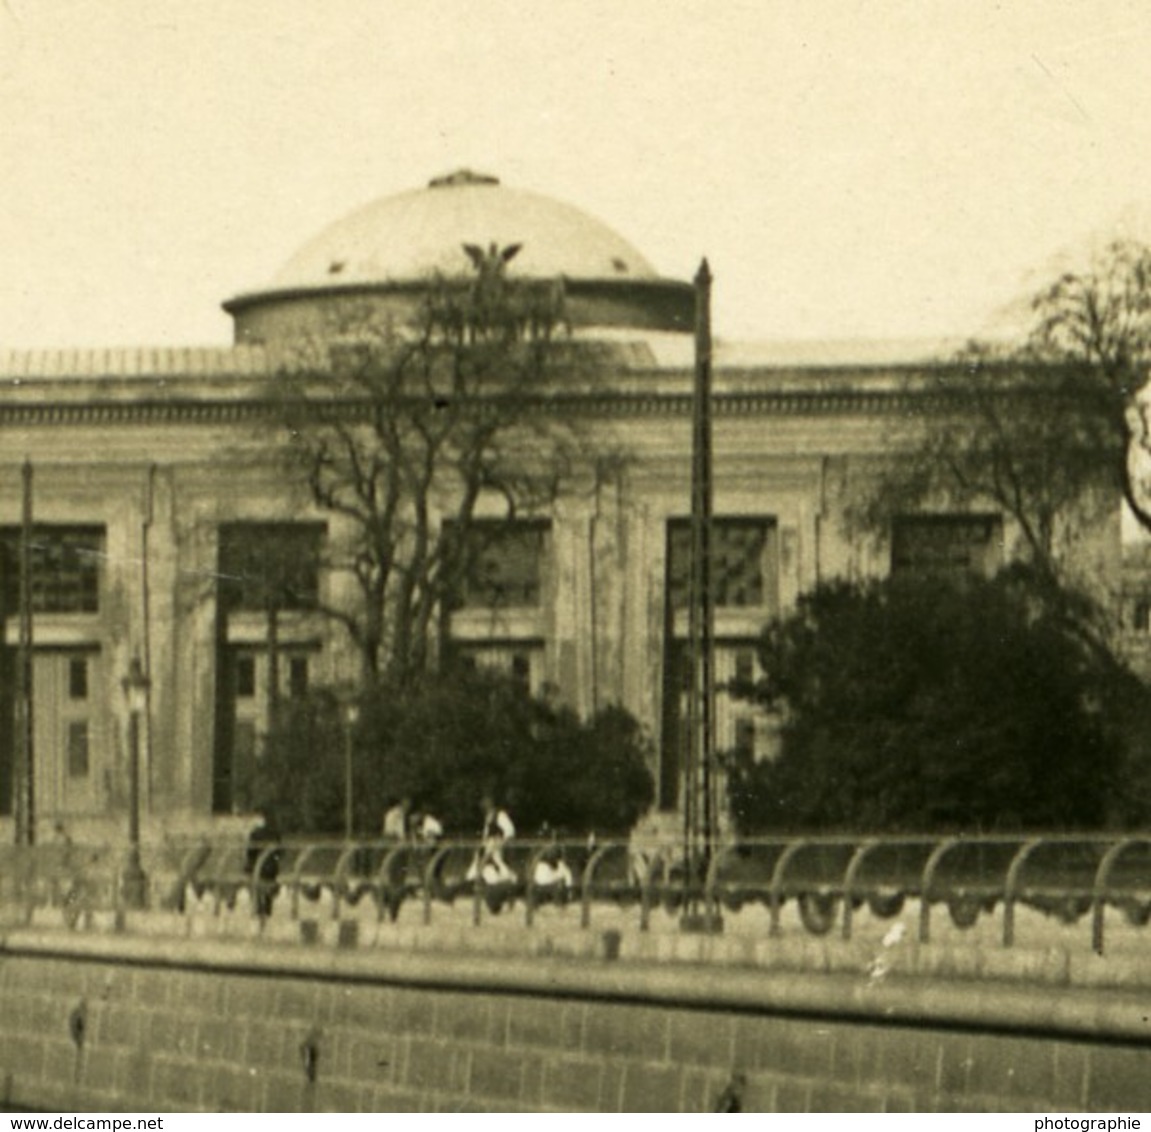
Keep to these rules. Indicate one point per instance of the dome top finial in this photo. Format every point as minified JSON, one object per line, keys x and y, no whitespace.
{"x":462,"y":177}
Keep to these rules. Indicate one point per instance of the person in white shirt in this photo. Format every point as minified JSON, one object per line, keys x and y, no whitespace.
{"x":498,"y":828}
{"x":426,"y":827}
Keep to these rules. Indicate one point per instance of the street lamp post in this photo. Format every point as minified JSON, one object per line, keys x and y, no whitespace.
{"x":351,"y":718}
{"x":134,"y":882}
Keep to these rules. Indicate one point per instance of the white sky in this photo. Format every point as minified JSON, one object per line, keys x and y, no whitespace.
{"x":874,"y":168}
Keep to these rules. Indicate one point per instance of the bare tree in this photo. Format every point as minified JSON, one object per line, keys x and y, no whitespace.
{"x":1046,"y":430}
{"x":1096,"y":324}
{"x":408,"y":437}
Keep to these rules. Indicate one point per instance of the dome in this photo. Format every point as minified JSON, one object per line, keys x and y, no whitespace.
{"x":423,"y":232}
{"x":379,"y":258}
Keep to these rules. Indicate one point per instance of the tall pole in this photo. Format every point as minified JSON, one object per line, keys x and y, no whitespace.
{"x":348,"y":808}
{"x":134,"y":880}
{"x":700,"y":809}
{"x":351,"y":718}
{"x":25,"y":754}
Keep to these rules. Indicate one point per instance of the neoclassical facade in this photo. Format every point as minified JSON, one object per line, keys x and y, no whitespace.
{"x":158,"y":495}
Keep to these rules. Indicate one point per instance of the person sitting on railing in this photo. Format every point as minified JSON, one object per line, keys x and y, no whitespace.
{"x":489,"y":864}
{"x":551,"y":871}
{"x":426,"y":828}
{"x":424,"y":832}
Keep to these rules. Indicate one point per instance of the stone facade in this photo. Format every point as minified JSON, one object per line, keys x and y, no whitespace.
{"x":153,"y":456}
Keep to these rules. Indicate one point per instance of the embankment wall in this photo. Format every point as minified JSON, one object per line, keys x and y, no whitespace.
{"x":122,"y":1022}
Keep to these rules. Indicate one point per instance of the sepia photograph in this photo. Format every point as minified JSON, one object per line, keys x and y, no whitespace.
{"x":586,"y":557}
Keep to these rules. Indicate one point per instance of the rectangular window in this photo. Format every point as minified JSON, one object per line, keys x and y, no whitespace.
{"x":512,"y":660}
{"x":740,"y":562}
{"x":504,"y":564}
{"x":521,"y":670}
{"x":78,"y":678}
{"x":298,"y":677}
{"x":64,"y":568}
{"x":245,"y":677}
{"x":744,"y":666}
{"x":270,"y":565}
{"x":947,"y":545}
{"x":78,"y":749}
{"x":745,"y":735}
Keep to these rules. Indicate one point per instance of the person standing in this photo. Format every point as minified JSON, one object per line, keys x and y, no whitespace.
{"x":396,"y":820}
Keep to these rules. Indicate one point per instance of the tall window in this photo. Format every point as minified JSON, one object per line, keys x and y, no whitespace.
{"x":270,"y":565}
{"x":949,"y":545}
{"x":64,"y":564}
{"x":505,"y":565}
{"x":742,"y":571}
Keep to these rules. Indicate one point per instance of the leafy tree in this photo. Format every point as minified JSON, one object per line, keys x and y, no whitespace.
{"x":444,"y":743}
{"x":404,"y":436}
{"x":921,"y":704}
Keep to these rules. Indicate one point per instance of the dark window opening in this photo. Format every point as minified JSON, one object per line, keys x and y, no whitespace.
{"x":77,"y":760}
{"x":744,"y":666}
{"x":267,"y":566}
{"x":245,"y":751}
{"x":522,"y":670}
{"x":740,"y":552}
{"x":64,"y":569}
{"x":245,"y":676}
{"x":298,"y":677}
{"x":503,"y":564}
{"x":947,"y":545}
{"x":78,"y":678}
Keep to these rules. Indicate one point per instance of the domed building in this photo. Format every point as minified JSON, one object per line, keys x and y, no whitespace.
{"x":153,"y":480}
{"x":377,"y":262}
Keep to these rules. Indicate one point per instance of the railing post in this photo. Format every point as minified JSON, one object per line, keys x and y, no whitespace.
{"x":777,"y":875}
{"x":339,"y":877}
{"x":929,"y":871}
{"x":710,"y":902}
{"x":1099,"y":889}
{"x":852,"y":871}
{"x":1011,"y":886}
{"x":256,"y":882}
{"x":586,"y":882}
{"x":297,"y":872}
{"x":658,"y":861}
{"x":429,"y":872}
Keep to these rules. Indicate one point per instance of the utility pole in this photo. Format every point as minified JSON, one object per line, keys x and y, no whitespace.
{"x":25,"y":755}
{"x":700,"y":802}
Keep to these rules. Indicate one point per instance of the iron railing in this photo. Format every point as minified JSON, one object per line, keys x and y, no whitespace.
{"x":826,"y":880}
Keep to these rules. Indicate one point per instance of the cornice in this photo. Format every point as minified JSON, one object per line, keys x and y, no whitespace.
{"x":207,"y":411}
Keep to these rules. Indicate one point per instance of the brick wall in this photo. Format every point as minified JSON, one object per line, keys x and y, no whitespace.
{"x":120,"y":1023}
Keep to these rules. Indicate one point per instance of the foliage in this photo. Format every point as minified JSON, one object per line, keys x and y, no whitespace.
{"x":928,"y":705}
{"x":444,"y":743}
{"x":407,"y":437}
